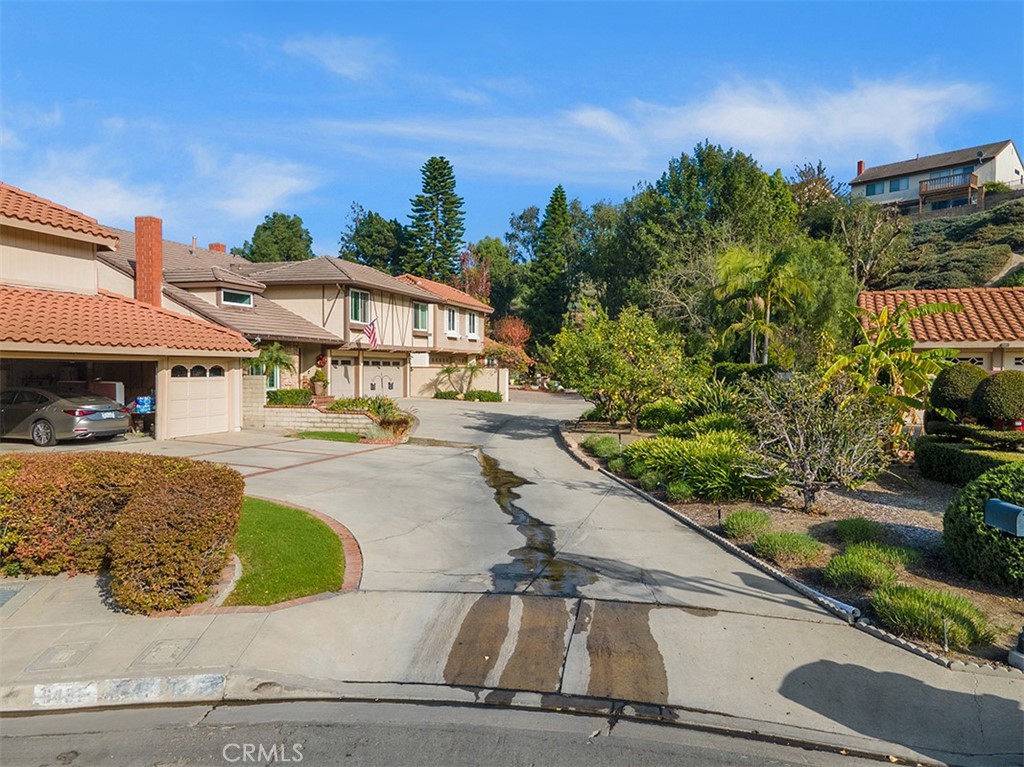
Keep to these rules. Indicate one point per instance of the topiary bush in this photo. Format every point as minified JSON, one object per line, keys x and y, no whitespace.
{"x":746,"y":524}
{"x":953,"y":387}
{"x":918,"y":613}
{"x":788,"y":549}
{"x":978,"y":550}
{"x":289,"y":397}
{"x":704,"y":424}
{"x":997,"y":438}
{"x":170,"y":544}
{"x":955,"y":463}
{"x":999,"y":397}
{"x":859,"y":530}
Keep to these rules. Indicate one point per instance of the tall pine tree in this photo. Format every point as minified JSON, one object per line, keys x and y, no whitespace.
{"x":437,"y":226}
{"x":548,"y":278}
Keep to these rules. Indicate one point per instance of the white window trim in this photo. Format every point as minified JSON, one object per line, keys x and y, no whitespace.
{"x":353,"y":303}
{"x":471,"y":327}
{"x":426,"y":317}
{"x":450,"y":332}
{"x":224,"y":299}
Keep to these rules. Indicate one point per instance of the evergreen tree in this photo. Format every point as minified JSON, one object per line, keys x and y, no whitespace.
{"x":435,"y":233}
{"x":279,"y":238}
{"x":548,"y":279}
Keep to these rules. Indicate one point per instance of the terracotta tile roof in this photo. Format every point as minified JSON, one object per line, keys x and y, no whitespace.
{"x":265,"y":318}
{"x":331,"y":271}
{"x":447,"y":293}
{"x":20,"y":205}
{"x":990,"y":314}
{"x":106,"y":320}
{"x":956,"y":158}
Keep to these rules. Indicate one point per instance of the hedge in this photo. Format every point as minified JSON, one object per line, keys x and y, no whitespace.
{"x":482,"y":395}
{"x":446,"y":395}
{"x":956,"y":463}
{"x":171,"y":542}
{"x":289,"y":397}
{"x":161,"y":524}
{"x":978,"y":550}
{"x":732,"y":372}
{"x":1005,"y":440}
{"x":999,"y":397}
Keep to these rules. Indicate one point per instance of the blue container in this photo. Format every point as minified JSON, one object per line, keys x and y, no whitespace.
{"x":143,"y":404}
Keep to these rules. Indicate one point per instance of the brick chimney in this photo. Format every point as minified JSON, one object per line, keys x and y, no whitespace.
{"x":860,"y":167}
{"x":218,"y":247}
{"x":149,"y":259}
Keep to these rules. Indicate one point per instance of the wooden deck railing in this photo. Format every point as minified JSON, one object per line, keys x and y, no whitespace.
{"x":948,"y":183}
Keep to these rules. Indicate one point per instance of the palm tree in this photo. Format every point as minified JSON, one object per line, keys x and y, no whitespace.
{"x":761,"y":279}
{"x":272,"y":356}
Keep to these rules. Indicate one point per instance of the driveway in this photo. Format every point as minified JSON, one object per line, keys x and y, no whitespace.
{"x":495,"y":567}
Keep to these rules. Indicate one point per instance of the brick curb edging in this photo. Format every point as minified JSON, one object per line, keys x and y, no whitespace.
{"x":350,"y":582}
{"x":850,"y":615}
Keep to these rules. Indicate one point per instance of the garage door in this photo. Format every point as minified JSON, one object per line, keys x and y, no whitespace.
{"x":197,"y":400}
{"x":386,"y":377}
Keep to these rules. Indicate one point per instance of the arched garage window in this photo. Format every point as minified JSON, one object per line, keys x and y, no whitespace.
{"x":216,"y":372}
{"x":198,"y":371}
{"x":179,"y":371}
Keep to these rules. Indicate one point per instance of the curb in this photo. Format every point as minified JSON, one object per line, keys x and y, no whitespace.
{"x":850,"y":614}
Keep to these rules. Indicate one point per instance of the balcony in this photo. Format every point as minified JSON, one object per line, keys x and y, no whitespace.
{"x":942,"y":185}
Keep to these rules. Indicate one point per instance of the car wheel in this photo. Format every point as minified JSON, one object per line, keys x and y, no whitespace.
{"x":42,"y":434}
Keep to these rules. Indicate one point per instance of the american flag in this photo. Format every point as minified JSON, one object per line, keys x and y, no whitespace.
{"x":371,"y":333}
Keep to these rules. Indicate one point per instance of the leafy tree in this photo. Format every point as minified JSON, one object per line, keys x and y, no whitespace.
{"x":523,"y":234}
{"x":437,"y":226}
{"x":812,"y":186}
{"x":620,"y":365}
{"x":874,"y":239}
{"x":884,"y":363}
{"x":506,"y":276}
{"x":279,"y":238}
{"x":548,"y":278}
{"x":511,"y":331}
{"x":715,"y":186}
{"x":375,"y":241}
{"x":823,"y":435}
{"x":473,"y":277}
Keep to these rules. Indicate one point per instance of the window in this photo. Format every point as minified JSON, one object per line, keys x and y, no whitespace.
{"x":876,"y":188}
{"x":359,"y":306}
{"x":179,"y":371}
{"x":198,"y":371}
{"x":1018,"y":362}
{"x":216,"y":372}
{"x":235,"y":298}
{"x":979,"y":361}
{"x":419,"y":317}
{"x":471,"y":325}
{"x":274,"y":378}
{"x":899,"y":184}
{"x":451,"y":322}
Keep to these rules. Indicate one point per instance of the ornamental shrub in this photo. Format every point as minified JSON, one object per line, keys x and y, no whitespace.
{"x":482,"y":395}
{"x":704,"y":424}
{"x":603,"y":447}
{"x":954,"y":386}
{"x":657,"y":414}
{"x":171,"y":542}
{"x":859,"y":530}
{"x":857,"y":570}
{"x":677,"y":491}
{"x":890,"y":556}
{"x":978,"y":550}
{"x":999,"y":397}
{"x":955,"y":463}
{"x":289,"y":397}
{"x":788,"y":549}
{"x":918,"y":613}
{"x":732,"y":372}
{"x":996,"y":438}
{"x":650,"y":480}
{"x":446,"y":394}
{"x":746,"y":524}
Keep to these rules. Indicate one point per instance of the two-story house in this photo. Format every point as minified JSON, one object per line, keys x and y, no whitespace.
{"x":62,"y":327}
{"x":939,"y":181}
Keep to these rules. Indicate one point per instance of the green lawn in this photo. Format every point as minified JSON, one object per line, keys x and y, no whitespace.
{"x":286,"y":554}
{"x":333,"y":436}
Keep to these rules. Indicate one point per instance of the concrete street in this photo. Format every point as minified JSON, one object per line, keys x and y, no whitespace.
{"x":498,"y":570}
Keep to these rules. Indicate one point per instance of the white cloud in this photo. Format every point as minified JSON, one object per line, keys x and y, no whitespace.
{"x":9,"y":139}
{"x":246,"y":186}
{"x":354,"y":58}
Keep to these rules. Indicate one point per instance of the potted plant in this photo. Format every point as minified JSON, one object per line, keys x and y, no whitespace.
{"x":319,"y":382}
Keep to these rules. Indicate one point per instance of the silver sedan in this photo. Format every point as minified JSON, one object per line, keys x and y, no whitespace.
{"x":45,"y":417}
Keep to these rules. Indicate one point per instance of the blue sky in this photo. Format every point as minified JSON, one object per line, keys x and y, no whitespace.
{"x":212,"y":115}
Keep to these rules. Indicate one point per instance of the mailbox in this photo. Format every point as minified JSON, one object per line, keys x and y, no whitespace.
{"x":1004,"y":516}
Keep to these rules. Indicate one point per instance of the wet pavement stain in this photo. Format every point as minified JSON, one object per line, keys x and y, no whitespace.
{"x":625,"y":663}
{"x":535,"y":564}
{"x":476,"y":648}
{"x":536,"y":662}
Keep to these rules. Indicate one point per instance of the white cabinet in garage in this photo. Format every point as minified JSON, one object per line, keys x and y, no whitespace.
{"x":197,"y":400}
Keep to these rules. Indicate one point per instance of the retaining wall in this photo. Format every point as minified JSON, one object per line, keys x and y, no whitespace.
{"x":299,"y":418}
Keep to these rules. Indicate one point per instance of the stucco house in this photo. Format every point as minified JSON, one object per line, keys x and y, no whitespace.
{"x":989,"y":332}
{"x":60,"y":325}
{"x":940,"y":181}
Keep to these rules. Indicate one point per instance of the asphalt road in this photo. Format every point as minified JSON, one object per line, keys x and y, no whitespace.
{"x":380,"y":735}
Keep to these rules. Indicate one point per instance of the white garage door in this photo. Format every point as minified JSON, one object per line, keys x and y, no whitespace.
{"x":198,"y":400}
{"x":383,"y":377}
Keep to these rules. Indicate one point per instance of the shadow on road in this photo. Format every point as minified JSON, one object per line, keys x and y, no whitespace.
{"x":904,"y":710}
